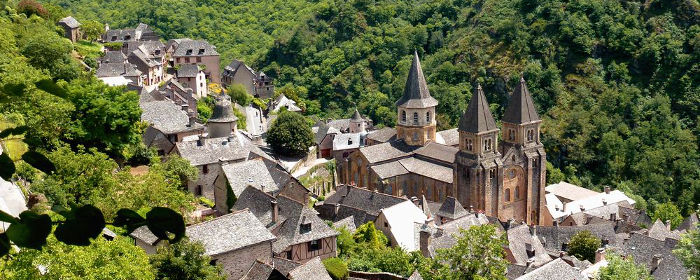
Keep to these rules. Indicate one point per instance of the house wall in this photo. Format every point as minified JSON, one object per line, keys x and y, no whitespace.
{"x":300,"y":252}
{"x":341,"y":165}
{"x":71,"y":33}
{"x":237,"y":263}
{"x":413,"y":185}
{"x":245,"y":78}
{"x":211,"y":64}
{"x":382,"y":224}
{"x":325,"y":147}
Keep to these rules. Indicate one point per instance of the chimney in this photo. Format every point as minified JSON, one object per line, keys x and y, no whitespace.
{"x":605,"y":202}
{"x":530,"y":250}
{"x":599,"y":255}
{"x":191,"y":118}
{"x":471,"y":208}
{"x":185,"y":107}
{"x":607,"y":189}
{"x":529,"y":262}
{"x":655,"y":262}
{"x":668,"y":224}
{"x":562,"y":254}
{"x":415,"y":201}
{"x":533,"y":231}
{"x":613,"y":217}
{"x":200,"y":141}
{"x":275,"y":210}
{"x":424,"y":241}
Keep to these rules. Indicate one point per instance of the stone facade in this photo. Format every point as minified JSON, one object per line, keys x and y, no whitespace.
{"x":237,"y":263}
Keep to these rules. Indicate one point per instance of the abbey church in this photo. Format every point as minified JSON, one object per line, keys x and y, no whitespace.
{"x":504,"y":179}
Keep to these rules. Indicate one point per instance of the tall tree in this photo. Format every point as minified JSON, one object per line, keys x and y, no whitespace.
{"x":478,"y":254}
{"x":583,"y":245}
{"x":688,"y":250}
{"x":619,"y":268}
{"x":290,"y":134}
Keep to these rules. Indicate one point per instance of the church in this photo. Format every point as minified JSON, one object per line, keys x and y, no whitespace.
{"x":503,"y":179}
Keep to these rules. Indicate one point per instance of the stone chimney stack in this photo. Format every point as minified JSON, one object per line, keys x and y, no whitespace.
{"x":607,"y":189}
{"x":275,"y":210}
{"x":655,"y":262}
{"x":668,"y":224}
{"x":415,"y":201}
{"x":424,"y":241}
{"x":599,"y":255}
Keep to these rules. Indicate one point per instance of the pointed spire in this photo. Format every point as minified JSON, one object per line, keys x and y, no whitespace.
{"x":520,"y":108}
{"x":223,"y":112}
{"x":416,"y":93}
{"x":478,"y":116}
{"x":356,"y":116}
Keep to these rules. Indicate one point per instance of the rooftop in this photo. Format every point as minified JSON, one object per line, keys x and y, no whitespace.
{"x":229,"y":232}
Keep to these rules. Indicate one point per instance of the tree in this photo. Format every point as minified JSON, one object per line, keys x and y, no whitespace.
{"x":102,"y":259}
{"x":290,"y":134}
{"x":31,"y":7}
{"x":239,"y":94}
{"x":370,"y":235}
{"x":478,"y":254}
{"x":337,"y":269}
{"x":668,"y":212}
{"x":688,"y":251}
{"x":583,"y":245}
{"x":619,"y":268}
{"x":92,"y":29}
{"x":184,"y":260}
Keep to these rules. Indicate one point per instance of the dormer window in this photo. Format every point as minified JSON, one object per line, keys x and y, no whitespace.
{"x":304,"y":228}
{"x":188,"y":52}
{"x":201,"y":52}
{"x":127,"y":37}
{"x":415,"y":117}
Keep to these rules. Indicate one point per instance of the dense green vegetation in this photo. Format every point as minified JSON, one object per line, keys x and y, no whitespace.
{"x":617,"y":82}
{"x":620,"y":268}
{"x":583,"y":245}
{"x":290,"y":134}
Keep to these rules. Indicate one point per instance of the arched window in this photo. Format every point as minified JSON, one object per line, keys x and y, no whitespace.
{"x":506,"y":195}
{"x":470,"y":144}
{"x":511,"y":134}
{"x":530,"y":135}
{"x":415,"y":117}
{"x":403,"y":116}
{"x":487,"y":144}
{"x":517,"y":192}
{"x":427,"y":117}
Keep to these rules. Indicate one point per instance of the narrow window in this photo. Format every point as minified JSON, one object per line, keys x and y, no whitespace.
{"x":492,"y":173}
{"x":427,"y":117}
{"x":314,"y":245}
{"x":530,"y":135}
{"x":415,"y":136}
{"x":205,"y":169}
{"x":470,"y":144}
{"x":506,"y":194}
{"x":511,"y":134}
{"x":403,"y":116}
{"x":415,"y":117}
{"x":198,"y":190}
{"x":487,"y":144}
{"x":517,"y":192}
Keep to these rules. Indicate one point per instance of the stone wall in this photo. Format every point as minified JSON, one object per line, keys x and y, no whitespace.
{"x":237,"y":263}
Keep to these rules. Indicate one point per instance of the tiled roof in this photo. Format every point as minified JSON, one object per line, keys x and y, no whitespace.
{"x":643,"y":249}
{"x":416,"y":93}
{"x":477,"y":118}
{"x":382,"y":135}
{"x":70,"y":22}
{"x":356,"y":116}
{"x":195,"y":48}
{"x":312,"y":269}
{"x":187,"y":71}
{"x":389,"y":169}
{"x":452,"y":209}
{"x":117,"y":69}
{"x":259,"y":271}
{"x":556,"y":269}
{"x":223,"y":112}
{"x":167,"y":117}
{"x":213,"y":150}
{"x":554,"y":237}
{"x":229,"y":232}
{"x":348,"y":223}
{"x":144,"y":234}
{"x":690,"y":223}
{"x":659,"y":231}
{"x":518,"y":238}
{"x":415,"y":276}
{"x":113,"y":57}
{"x":448,"y":137}
{"x":387,"y":151}
{"x":340,"y":124}
{"x":428,"y":169}
{"x":290,"y":232}
{"x":569,"y":191}
{"x":520,"y":109}
{"x":439,"y":152}
{"x":283,"y":101}
{"x":259,"y":173}
{"x":119,"y":35}
{"x":363,"y":199}
{"x":284,"y":266}
{"x":345,"y":141}
{"x":260,"y":204}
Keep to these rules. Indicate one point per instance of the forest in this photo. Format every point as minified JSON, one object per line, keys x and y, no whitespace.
{"x":617,"y":82}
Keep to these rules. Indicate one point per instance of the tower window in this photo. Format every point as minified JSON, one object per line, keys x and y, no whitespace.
{"x":415,"y":117}
{"x":492,"y":173}
{"x":517,"y":192}
{"x":506,"y":195}
{"x":534,"y":162}
{"x":427,"y":117}
{"x":469,"y":145}
{"x":415,"y":136}
{"x":530,"y":135}
{"x":511,"y":134}
{"x":403,"y":116}
{"x":487,"y":144}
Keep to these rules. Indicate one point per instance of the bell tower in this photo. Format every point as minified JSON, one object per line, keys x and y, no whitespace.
{"x":524,"y":158}
{"x":416,"y":109}
{"x":478,"y":168}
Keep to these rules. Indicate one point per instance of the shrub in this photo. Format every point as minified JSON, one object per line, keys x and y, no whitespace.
{"x":336,"y":268}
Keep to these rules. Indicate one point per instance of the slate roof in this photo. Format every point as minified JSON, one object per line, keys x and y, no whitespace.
{"x":382,"y":135}
{"x":348,"y":223}
{"x":195,"y":48}
{"x":520,"y":109}
{"x":260,"y":271}
{"x":387,"y":151}
{"x":452,"y":209}
{"x":119,"y":35}
{"x":117,"y":69}
{"x":229,"y":232}
{"x":448,"y":137}
{"x":556,"y":269}
{"x":232,"y":68}
{"x":284,"y":266}
{"x":447,"y":236}
{"x":643,"y":248}
{"x":259,"y":173}
{"x":416,"y":93}
{"x":223,"y":112}
{"x":477,"y":118}
{"x":568,"y":191}
{"x":554,"y":237}
{"x":283,"y":101}
{"x":70,"y":22}
{"x":346,"y":141}
{"x":144,"y":234}
{"x":428,"y":169}
{"x":439,"y":152}
{"x":356,"y":116}
{"x":312,"y":269}
{"x":690,"y":223}
{"x":167,"y":117}
{"x":415,"y":276}
{"x":659,"y":231}
{"x":113,"y":57}
{"x":389,"y":169}
{"x":342,"y":125}
{"x":323,"y":130}
{"x":518,"y":238}
{"x":213,"y":150}
{"x":289,"y":232}
{"x":187,"y":71}
{"x":363,"y":199}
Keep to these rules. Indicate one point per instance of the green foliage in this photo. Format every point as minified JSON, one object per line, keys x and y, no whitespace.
{"x":206,"y":202}
{"x":91,"y":29}
{"x":619,"y":268}
{"x":239,"y":94}
{"x":688,"y":251}
{"x":583,"y":245}
{"x":478,"y":254}
{"x":184,"y":260}
{"x":205,"y":107}
{"x":290,"y":134}
{"x":101,"y":260}
{"x":371,"y":236}
{"x":31,"y":7}
{"x":230,"y":197}
{"x":241,"y":122}
{"x":336,"y":268}
{"x":115,"y":46}
{"x":668,"y":212}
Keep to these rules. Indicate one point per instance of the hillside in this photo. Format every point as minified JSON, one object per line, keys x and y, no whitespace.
{"x":617,"y":82}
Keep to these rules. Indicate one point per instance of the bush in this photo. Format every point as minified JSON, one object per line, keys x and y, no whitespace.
{"x":336,"y":268}
{"x":583,"y":245}
{"x":290,"y":134}
{"x":206,"y":202}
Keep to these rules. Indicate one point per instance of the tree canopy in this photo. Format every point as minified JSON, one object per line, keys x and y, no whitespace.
{"x":290,"y":134}
{"x":619,"y":268}
{"x":583,"y":245}
{"x":183,"y":261}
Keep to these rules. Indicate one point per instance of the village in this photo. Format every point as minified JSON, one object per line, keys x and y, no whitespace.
{"x":270,"y":216}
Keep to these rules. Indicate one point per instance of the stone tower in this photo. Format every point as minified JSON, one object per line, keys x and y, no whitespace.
{"x":416,"y":109}
{"x":357,"y":123}
{"x":524,"y":159}
{"x":478,"y":167}
{"x":222,"y":122}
